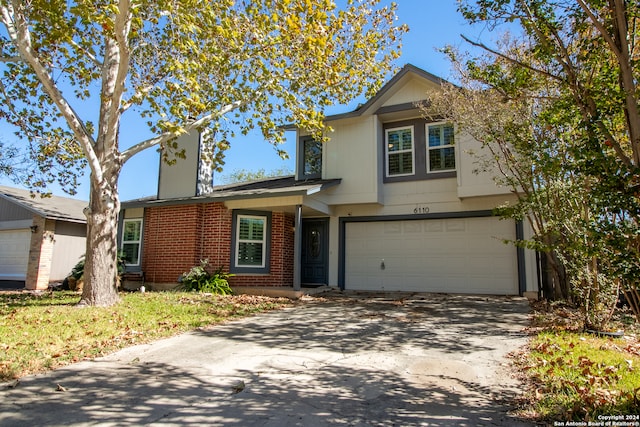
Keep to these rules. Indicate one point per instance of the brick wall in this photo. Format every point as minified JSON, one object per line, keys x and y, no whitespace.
{"x":40,"y":253}
{"x":177,"y":237}
{"x":170,"y":241}
{"x":215,"y":238}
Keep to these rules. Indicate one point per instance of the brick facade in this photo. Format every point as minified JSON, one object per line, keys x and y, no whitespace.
{"x":40,"y":253}
{"x":176,"y":238}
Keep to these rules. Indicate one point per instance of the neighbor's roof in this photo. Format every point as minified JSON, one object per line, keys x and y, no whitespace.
{"x":54,"y":207}
{"x":268,"y":187}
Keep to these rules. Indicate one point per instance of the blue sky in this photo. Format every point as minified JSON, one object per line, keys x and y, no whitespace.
{"x":433,"y":24}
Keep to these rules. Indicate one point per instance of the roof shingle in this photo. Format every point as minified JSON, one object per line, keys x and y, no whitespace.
{"x":54,"y":207}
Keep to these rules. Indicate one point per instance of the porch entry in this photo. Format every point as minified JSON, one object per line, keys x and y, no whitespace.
{"x":315,"y":251}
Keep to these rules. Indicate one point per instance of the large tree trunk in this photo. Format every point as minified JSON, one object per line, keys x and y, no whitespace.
{"x":101,"y":259}
{"x":555,"y":285}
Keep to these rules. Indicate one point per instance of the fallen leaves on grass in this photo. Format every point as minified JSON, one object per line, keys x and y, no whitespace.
{"x":571,"y":375}
{"x":43,"y":332}
{"x":633,"y":348}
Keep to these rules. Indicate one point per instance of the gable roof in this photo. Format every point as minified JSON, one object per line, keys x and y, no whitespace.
{"x":407,"y":69}
{"x":404,"y":71}
{"x":54,"y":207}
{"x":262,"y":188}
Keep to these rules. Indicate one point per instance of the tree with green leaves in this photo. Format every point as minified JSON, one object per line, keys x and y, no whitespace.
{"x":590,"y":49}
{"x":244,"y":175}
{"x":524,"y":155}
{"x":70,"y":71}
{"x":8,"y":155}
{"x":566,"y":87}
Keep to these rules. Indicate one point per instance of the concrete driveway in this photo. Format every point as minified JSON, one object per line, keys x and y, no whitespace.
{"x":344,"y":360}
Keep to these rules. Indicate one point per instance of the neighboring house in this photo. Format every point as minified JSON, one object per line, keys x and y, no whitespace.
{"x":390,"y":203}
{"x":41,"y":239}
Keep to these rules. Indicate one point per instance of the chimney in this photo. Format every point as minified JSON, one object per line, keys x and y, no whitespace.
{"x":188,"y":177}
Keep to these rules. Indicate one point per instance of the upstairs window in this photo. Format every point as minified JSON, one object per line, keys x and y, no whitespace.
{"x":414,"y":150}
{"x":310,"y":165}
{"x":441,"y":149}
{"x":131,"y":241}
{"x":400,"y":151}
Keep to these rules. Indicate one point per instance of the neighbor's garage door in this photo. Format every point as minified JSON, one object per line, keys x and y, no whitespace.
{"x":14,"y":254}
{"x":461,"y":255}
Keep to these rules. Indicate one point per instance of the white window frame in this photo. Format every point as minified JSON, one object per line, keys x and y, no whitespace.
{"x":441,"y":125}
{"x":129,"y":242}
{"x":239,"y":219}
{"x":412,"y":151}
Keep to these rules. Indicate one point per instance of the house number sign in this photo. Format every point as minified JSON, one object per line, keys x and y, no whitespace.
{"x":421,"y":209}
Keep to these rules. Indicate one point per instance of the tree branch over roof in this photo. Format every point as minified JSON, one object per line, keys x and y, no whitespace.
{"x":167,"y":136}
{"x":509,"y":59}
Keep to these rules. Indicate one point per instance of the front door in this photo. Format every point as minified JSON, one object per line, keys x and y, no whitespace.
{"x":315,"y":251}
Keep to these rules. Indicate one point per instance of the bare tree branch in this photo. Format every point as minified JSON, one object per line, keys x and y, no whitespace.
{"x":601,"y":28}
{"x":7,"y":59}
{"x":510,"y":59}
{"x":90,"y":55}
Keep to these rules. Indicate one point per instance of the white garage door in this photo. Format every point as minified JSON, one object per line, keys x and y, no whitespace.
{"x":14,"y":254}
{"x":460,"y":255}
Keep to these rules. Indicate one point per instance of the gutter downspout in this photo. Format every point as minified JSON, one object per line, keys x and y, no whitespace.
{"x":297,"y":249}
{"x":522,"y":273}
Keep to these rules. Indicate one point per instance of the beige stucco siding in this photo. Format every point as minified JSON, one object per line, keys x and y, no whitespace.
{"x":180,"y":179}
{"x":69,"y":247}
{"x":351,"y":154}
{"x":133,"y":213}
{"x":476,"y":171}
{"x":413,"y":90}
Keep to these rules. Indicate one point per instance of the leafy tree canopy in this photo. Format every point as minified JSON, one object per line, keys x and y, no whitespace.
{"x":70,"y":70}
{"x":558,"y":106}
{"x":8,"y":165}
{"x":244,"y":175}
{"x":588,"y":50}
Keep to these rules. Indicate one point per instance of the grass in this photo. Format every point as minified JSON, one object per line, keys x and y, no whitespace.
{"x":577,"y":376}
{"x":43,"y":332}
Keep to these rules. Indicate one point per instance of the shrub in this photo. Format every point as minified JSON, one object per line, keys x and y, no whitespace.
{"x":198,"y":279}
{"x":78,"y":270}
{"x":74,"y":281}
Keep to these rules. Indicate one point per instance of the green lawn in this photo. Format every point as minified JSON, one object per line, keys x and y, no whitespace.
{"x":573,"y":375}
{"x":42,"y":332}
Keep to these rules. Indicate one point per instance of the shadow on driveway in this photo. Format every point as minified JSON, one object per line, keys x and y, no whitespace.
{"x":342,"y":360}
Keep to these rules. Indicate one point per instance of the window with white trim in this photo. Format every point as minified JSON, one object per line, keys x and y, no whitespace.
{"x":400,"y":151}
{"x":441,"y":153}
{"x":131,"y":241}
{"x":251,"y":241}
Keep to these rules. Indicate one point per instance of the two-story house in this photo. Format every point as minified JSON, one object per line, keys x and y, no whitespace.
{"x":390,"y":203}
